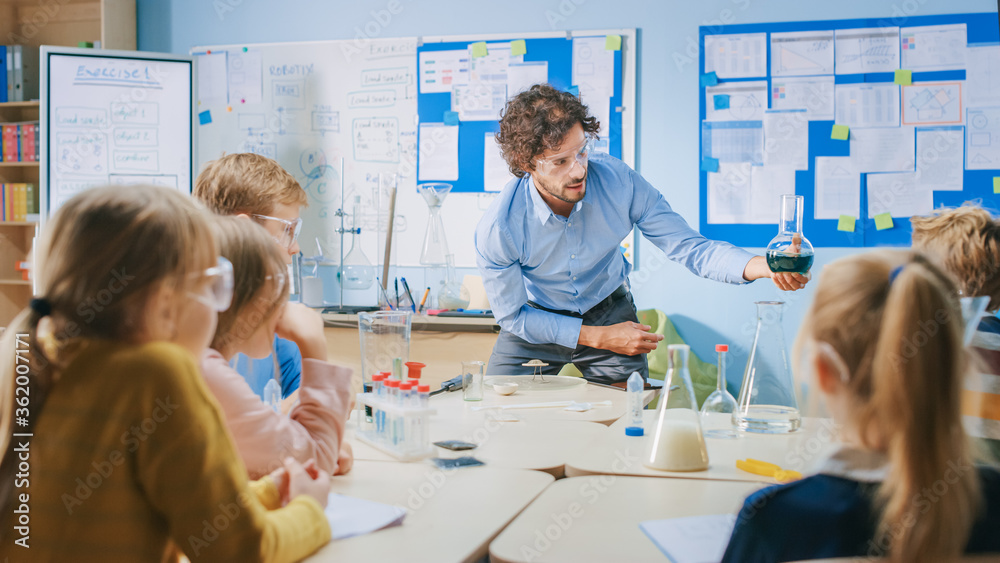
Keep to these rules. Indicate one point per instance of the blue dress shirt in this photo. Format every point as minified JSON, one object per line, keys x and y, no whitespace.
{"x":527,"y":252}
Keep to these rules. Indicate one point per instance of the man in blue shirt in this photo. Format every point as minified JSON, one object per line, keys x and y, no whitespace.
{"x":548,"y":247}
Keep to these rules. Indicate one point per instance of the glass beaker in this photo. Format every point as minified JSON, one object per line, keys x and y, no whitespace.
{"x":385,"y":339}
{"x":767,"y":401}
{"x":357,"y":271}
{"x":435,"y":245}
{"x":452,"y":295}
{"x":720,"y":401}
{"x":790,"y":251}
{"x":677,"y":443}
{"x":472,"y":380}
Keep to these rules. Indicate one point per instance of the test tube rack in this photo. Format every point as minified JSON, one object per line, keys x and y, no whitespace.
{"x":400,"y":431}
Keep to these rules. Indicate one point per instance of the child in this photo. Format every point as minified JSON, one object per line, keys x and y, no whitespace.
{"x":129,"y":457}
{"x":259,"y":188}
{"x":315,"y":427}
{"x":966,"y":242}
{"x":884,"y":339}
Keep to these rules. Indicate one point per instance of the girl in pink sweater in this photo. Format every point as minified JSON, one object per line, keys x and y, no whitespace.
{"x":314,"y":428}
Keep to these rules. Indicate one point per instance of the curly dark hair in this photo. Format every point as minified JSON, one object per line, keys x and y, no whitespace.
{"x":536,"y":120}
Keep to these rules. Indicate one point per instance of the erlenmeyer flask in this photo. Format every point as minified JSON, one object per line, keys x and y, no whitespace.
{"x":790,"y":251}
{"x":358,"y":272}
{"x":767,"y":398}
{"x":435,"y":245}
{"x":677,"y":443}
{"x":452,"y":294}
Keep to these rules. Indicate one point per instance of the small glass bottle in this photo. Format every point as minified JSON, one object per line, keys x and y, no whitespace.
{"x":720,"y":401}
{"x":767,"y":402}
{"x":790,"y":251}
{"x":634,"y":387}
{"x":472,"y":380}
{"x":677,"y":443}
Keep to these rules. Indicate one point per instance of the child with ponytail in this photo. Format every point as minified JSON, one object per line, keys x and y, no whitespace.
{"x":883,"y":338}
{"x":128,"y":456}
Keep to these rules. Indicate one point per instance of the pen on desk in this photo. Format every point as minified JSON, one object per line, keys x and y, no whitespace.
{"x":406,"y":288}
{"x":424,"y":299}
{"x":384,"y":294}
{"x":395,"y":281}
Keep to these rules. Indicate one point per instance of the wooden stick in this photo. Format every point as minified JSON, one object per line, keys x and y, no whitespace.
{"x":388,"y":238}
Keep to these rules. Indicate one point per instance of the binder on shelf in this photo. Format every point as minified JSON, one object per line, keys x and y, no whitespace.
{"x":10,"y":73}
{"x":3,"y":75}
{"x":29,"y":73}
{"x":18,"y":74}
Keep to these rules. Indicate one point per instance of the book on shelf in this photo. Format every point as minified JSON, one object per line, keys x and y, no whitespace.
{"x":20,"y":201}
{"x":19,"y":142}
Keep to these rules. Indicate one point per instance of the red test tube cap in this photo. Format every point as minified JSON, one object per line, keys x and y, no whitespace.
{"x":413,"y":369}
{"x":721,"y":347}
{"x":423,"y":388}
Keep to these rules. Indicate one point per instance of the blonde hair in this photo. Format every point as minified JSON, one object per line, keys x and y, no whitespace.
{"x":965,"y":241}
{"x":101,"y":258}
{"x":247,"y":183}
{"x":258,"y":272}
{"x":901,"y":342}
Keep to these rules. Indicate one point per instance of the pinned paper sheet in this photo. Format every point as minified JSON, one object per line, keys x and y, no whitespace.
{"x":213,"y":87}
{"x":709,"y":79}
{"x":246,"y":80}
{"x":721,"y":101}
{"x":840,"y":132}
{"x":518,"y":47}
{"x":613,"y":43}
{"x":996,"y":185}
{"x":205,"y":117}
{"x":883,"y":221}
{"x":451,"y":118}
{"x":479,"y":49}
{"x":904,"y":77}
{"x":438,"y":152}
{"x":846,"y":223}
{"x":709,"y":164}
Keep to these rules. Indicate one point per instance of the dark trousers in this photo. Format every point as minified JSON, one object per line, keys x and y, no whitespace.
{"x":599,"y":366}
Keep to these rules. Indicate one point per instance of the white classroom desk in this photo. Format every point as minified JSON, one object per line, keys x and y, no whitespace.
{"x":596,"y":518}
{"x":539,"y":445}
{"x":451,"y":515}
{"x":618,"y":454}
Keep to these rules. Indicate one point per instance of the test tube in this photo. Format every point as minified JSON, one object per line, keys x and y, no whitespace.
{"x":634,"y":389}
{"x":372,"y":415}
{"x":423,"y":423}
{"x":406,"y":401}
{"x":392,"y":398}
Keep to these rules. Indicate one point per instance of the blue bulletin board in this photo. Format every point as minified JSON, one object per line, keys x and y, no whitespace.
{"x":554,"y":48}
{"x":977,"y":184}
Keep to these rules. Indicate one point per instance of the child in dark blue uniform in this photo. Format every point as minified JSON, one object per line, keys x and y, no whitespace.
{"x":884,"y":339}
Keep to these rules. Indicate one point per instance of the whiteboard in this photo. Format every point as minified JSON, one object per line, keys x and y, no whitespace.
{"x":113,"y":117}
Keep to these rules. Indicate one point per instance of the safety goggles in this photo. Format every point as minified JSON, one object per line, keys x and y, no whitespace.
{"x":290,"y":229}
{"x":560,"y":164}
{"x":220,"y":287}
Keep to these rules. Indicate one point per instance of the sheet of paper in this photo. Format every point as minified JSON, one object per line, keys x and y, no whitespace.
{"x":246,"y":78}
{"x":747,"y":101}
{"x":733,"y":141}
{"x":213,"y":84}
{"x":867,"y":105}
{"x":438,"y":152}
{"x":593,"y":66}
{"x":867,"y":50}
{"x":441,"y":70}
{"x":736,"y":56}
{"x":492,"y":69}
{"x":786,"y":138}
{"x":693,"y":539}
{"x":982,"y":139}
{"x":838,"y":188}
{"x":521,"y":77}
{"x":802,"y":53}
{"x":729,"y":193}
{"x":982,"y":75}
{"x":350,"y":516}
{"x":898,"y":195}
{"x":496,"y":173}
{"x":598,"y":105}
{"x":478,"y":101}
{"x":933,"y":47}
{"x":932,"y":103}
{"x":767,"y":185}
{"x":815,"y":94}
{"x":940,"y":158}
{"x":889,"y":149}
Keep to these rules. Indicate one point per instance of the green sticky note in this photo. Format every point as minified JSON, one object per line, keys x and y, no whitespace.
{"x":846,"y":224}
{"x":517,"y":47}
{"x":613,"y":43}
{"x":883,"y":221}
{"x":479,"y":49}
{"x":996,"y":185}
{"x":904,"y":77}
{"x":840,"y":132}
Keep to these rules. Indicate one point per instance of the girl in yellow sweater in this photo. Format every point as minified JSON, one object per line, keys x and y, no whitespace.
{"x":113,"y":448}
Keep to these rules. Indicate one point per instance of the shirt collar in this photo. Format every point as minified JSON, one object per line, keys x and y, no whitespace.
{"x":542,"y":210}
{"x":856,"y":464}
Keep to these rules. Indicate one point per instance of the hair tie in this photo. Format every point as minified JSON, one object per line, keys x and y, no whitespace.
{"x":895,"y":272}
{"x":41,"y":306}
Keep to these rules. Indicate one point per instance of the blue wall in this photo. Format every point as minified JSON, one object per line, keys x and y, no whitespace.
{"x":705,"y":312}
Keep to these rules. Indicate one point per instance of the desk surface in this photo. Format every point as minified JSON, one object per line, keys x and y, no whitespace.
{"x":423,"y":323}
{"x":540,"y":445}
{"x":452,"y":515}
{"x":618,"y":454}
{"x":597,"y":518}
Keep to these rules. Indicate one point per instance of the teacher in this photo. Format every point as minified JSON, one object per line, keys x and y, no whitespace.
{"x":549,"y":251}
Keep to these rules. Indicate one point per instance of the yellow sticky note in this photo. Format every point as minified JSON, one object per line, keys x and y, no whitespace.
{"x":846,"y":223}
{"x":479,"y":49}
{"x":840,"y":132}
{"x":517,"y":47}
{"x":904,"y":77}
{"x":883,"y":221}
{"x":613,"y":43}
{"x":996,"y":185}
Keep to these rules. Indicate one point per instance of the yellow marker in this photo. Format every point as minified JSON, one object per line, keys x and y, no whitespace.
{"x":786,"y":476}
{"x":757,"y":467}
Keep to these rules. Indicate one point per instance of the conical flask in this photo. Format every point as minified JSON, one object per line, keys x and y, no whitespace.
{"x":358,"y":272}
{"x":435,"y":245}
{"x":767,"y":397}
{"x":677,"y":443}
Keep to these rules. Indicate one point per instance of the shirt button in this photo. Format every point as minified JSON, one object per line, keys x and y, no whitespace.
{"x":574,"y":278}
{"x":570,"y":223}
{"x":572,"y":255}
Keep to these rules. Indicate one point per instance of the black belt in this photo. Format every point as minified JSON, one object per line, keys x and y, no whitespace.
{"x":617,"y":294}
